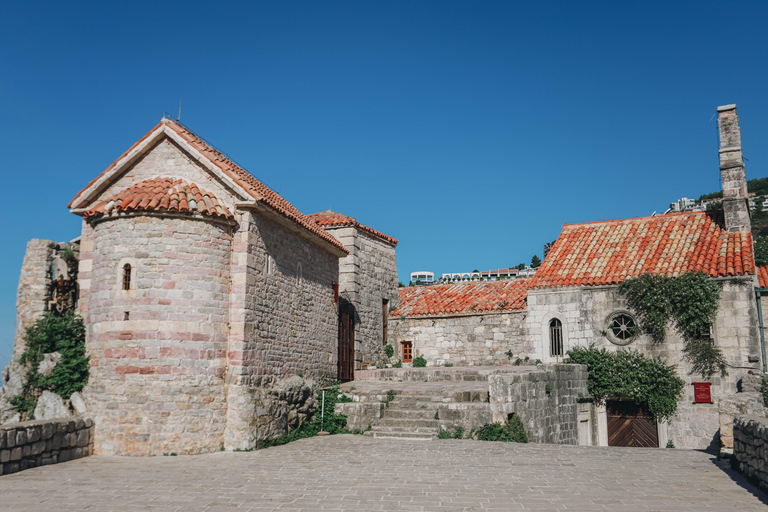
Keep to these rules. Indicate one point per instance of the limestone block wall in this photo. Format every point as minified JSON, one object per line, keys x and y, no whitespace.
{"x":750,"y":446}
{"x":482,"y":339}
{"x":39,"y":443}
{"x":283,"y":322}
{"x":158,"y":350}
{"x":586,"y":312}
{"x":367,"y":276}
{"x":729,"y":407}
{"x":548,"y":417}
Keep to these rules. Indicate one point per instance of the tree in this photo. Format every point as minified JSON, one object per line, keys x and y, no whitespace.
{"x":520,"y":266}
{"x":761,"y":250}
{"x":535,"y":261}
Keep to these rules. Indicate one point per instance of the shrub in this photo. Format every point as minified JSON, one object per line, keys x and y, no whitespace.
{"x":389,"y":350}
{"x":764,"y":390}
{"x":448,"y":365}
{"x":64,"y":334}
{"x":419,"y":362}
{"x":444,"y":434}
{"x":398,"y":364}
{"x":512,"y":432}
{"x":459,"y":433}
{"x":651,"y":383}
{"x":670,"y":444}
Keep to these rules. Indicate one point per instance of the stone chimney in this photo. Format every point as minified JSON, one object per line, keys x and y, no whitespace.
{"x":735,"y":199}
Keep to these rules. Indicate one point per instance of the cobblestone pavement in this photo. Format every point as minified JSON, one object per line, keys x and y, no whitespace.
{"x":357,"y":473}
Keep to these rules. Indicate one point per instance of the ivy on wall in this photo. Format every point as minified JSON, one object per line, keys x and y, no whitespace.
{"x":651,"y":383}
{"x":64,"y":334}
{"x":691,"y":301}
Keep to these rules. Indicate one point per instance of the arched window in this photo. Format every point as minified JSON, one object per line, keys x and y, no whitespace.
{"x":555,"y":338}
{"x":127,"y":276}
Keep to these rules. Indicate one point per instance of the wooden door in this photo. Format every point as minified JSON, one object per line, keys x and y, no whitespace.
{"x":630,"y":425}
{"x":346,"y":346}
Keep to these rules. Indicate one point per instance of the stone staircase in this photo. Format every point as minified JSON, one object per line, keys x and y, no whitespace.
{"x":409,"y":417}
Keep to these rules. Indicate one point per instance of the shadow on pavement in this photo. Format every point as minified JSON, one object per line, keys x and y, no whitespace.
{"x":739,"y":479}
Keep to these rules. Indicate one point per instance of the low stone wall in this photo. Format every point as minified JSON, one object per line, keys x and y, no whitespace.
{"x":438,"y":373}
{"x":549,"y":417}
{"x":730,"y":407}
{"x":39,"y":443}
{"x":750,"y":447}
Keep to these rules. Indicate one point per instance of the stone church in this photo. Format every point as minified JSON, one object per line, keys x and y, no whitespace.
{"x":211,"y":303}
{"x":573,"y":300}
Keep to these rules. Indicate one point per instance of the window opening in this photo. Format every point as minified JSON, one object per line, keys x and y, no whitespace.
{"x":407,"y":351}
{"x":555,"y":337}
{"x":623,"y":327}
{"x":127,"y":276}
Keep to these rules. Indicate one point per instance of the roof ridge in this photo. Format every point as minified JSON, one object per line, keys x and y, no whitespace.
{"x":666,"y":215}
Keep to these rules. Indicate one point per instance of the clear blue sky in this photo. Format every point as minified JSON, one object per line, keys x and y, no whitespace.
{"x":471,"y":131}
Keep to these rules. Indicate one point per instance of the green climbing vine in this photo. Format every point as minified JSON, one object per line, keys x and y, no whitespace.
{"x":64,"y":334}
{"x":691,"y":300}
{"x":651,"y":383}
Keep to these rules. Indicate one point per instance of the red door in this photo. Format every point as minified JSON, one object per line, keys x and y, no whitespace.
{"x":346,"y":346}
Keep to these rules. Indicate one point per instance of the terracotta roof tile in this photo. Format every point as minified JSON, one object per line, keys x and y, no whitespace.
{"x":162,"y":195}
{"x":332,"y":219}
{"x":762,"y":275}
{"x":463,"y":298}
{"x":606,"y":253}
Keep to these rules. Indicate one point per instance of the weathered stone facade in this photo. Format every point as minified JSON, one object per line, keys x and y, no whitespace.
{"x":368,"y":283}
{"x":481,"y":339}
{"x":750,"y":447}
{"x":39,"y":443}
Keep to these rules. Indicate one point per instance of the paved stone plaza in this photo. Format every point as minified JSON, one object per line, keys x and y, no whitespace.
{"x":356,"y":473}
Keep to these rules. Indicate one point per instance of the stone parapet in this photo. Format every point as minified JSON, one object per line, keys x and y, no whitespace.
{"x":39,"y":443}
{"x":750,"y":447}
{"x":729,"y":407}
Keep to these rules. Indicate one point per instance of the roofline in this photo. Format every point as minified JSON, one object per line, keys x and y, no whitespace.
{"x":676,"y":214}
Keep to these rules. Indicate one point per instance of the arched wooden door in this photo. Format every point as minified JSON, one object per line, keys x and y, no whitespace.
{"x":346,"y":345}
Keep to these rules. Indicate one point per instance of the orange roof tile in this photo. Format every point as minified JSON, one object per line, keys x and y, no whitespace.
{"x":606,"y":253}
{"x":762,"y":275}
{"x":258,"y":190}
{"x":162,"y":195}
{"x":463,"y":298}
{"x":332,"y":219}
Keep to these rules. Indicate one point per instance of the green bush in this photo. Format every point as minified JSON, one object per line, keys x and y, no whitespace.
{"x":764,"y":390}
{"x":444,"y":434}
{"x":448,"y":365}
{"x":64,"y":334}
{"x":389,"y":350}
{"x":512,"y":432}
{"x":651,"y":383}
{"x":419,"y":362}
{"x":398,"y":364}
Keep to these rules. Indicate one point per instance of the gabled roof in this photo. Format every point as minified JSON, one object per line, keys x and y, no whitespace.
{"x":607,"y":253}
{"x":253,"y":191}
{"x":162,"y":195}
{"x":463,"y":299}
{"x":333,"y":219}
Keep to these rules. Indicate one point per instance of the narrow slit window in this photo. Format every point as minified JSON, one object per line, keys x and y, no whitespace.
{"x":555,"y":338}
{"x":385,"y":317}
{"x":127,"y":276}
{"x":407,"y":351}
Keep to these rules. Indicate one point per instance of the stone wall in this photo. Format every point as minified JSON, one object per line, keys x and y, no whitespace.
{"x":549,"y":417}
{"x":466,"y":340}
{"x":750,"y":447}
{"x":39,"y":443}
{"x":585,"y":314}
{"x":158,"y":350}
{"x":283,"y":322}
{"x":367,"y":276}
{"x":41,"y":265}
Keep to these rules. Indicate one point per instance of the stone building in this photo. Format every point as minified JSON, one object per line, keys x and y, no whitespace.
{"x":209,"y":300}
{"x":573,"y":299}
{"x":367,"y":288}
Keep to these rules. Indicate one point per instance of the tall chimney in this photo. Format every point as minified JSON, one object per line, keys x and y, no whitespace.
{"x":735,"y":198}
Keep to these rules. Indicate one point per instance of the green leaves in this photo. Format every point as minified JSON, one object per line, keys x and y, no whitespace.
{"x":512,"y":432}
{"x":649,"y":382}
{"x":50,"y":333}
{"x":691,"y":300}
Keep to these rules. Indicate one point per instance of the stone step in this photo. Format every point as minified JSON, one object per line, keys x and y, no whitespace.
{"x":416,"y":403}
{"x":416,"y":436}
{"x":416,"y":414}
{"x":386,"y":421}
{"x":404,"y":428}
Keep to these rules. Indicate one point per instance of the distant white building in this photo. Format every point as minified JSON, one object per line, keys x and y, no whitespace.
{"x":423,"y":276}
{"x":682,"y":204}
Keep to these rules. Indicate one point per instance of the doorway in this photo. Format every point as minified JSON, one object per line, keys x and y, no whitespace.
{"x":346,"y":344}
{"x":630,"y":425}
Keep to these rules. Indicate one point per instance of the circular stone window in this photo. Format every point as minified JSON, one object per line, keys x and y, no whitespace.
{"x":622,"y":329}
